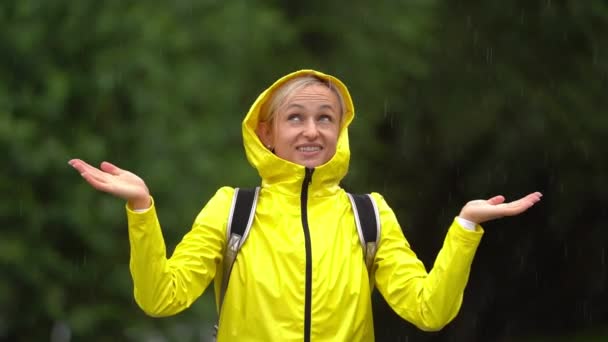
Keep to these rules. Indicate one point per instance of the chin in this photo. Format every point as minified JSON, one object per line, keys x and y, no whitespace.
{"x":309,"y":163}
{"x":312,"y":164}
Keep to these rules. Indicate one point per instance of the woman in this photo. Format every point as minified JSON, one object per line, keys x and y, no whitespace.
{"x":300,"y":275}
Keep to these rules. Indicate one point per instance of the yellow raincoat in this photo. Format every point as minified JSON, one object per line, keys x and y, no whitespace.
{"x":301,"y":274}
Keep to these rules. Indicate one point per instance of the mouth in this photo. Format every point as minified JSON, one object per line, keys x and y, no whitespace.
{"x":309,"y":148}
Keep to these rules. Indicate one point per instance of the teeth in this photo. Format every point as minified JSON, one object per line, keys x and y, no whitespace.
{"x":309,"y":148}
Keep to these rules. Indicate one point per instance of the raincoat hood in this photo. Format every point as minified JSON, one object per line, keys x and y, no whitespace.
{"x":285,"y":175}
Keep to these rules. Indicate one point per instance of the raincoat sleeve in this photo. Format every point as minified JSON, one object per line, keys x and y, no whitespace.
{"x":427,"y":300}
{"x":162,"y":286}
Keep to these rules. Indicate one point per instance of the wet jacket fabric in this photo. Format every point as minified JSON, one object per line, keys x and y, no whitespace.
{"x":301,"y":274}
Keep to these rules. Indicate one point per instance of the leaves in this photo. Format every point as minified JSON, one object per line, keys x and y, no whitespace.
{"x":455,"y":101}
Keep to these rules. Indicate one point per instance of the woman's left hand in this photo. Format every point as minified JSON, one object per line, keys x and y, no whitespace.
{"x":480,"y":211}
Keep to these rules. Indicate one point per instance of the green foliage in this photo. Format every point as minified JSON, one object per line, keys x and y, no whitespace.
{"x":455,"y":101}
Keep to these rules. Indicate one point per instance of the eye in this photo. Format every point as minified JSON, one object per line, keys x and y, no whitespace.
{"x":326,"y":118}
{"x":294,"y":117}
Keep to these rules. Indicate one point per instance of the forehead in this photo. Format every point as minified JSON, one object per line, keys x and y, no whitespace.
{"x":314,"y":93}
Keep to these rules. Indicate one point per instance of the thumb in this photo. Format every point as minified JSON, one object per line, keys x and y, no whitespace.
{"x":496,"y":200}
{"x":110,"y":168}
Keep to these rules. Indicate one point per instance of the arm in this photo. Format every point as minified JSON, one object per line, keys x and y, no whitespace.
{"x":431,"y":300}
{"x":162,"y":286}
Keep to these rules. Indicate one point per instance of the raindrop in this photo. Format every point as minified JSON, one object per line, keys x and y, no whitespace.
{"x":585,"y":309}
{"x":61,"y":332}
{"x":489,"y":53}
{"x":594,"y":55}
{"x":585,"y":148}
{"x":387,"y":113}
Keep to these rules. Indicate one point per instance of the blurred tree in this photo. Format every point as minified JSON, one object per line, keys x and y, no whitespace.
{"x":515,"y":101}
{"x":158,"y":89}
{"x":455,"y":100}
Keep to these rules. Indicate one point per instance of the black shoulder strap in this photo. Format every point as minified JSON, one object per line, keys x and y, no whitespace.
{"x":367,"y":220}
{"x":240,"y":219}
{"x":242,"y":211}
{"x":365,"y":212}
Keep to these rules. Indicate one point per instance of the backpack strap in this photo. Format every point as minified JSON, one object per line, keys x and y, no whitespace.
{"x":367,"y":220}
{"x":240,"y":219}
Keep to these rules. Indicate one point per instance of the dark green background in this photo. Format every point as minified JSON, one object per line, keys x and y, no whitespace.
{"x":456,"y":100}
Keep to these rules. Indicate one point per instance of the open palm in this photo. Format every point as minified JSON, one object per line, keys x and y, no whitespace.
{"x":480,"y":211}
{"x":113,"y":180}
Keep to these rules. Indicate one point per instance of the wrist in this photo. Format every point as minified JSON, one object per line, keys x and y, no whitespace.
{"x":467,"y":215}
{"x":140,"y":203}
{"x":466,"y":223}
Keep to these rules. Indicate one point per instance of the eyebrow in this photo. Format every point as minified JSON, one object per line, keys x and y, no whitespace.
{"x":324,"y":106}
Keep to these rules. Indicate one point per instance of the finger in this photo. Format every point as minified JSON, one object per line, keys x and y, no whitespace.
{"x":95,"y":182}
{"x":111,"y":168}
{"x":93,"y":171}
{"x":534,"y":197}
{"x":74,"y":161}
{"x":82,"y":166}
{"x":517,"y":207}
{"x":77,"y":164}
{"x":527,"y":201}
{"x":97,"y":175}
{"x":496,"y":200}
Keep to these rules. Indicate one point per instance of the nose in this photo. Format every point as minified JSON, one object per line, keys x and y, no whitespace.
{"x":311,"y":131}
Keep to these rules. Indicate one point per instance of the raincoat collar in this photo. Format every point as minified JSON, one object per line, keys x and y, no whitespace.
{"x":287,"y":177}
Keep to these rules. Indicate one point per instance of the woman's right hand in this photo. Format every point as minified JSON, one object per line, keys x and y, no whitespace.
{"x":115,"y":181}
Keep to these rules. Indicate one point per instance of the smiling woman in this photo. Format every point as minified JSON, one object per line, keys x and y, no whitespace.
{"x":301,"y":275}
{"x":304,"y":127}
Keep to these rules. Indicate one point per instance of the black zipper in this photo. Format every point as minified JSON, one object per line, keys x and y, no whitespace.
{"x":308,"y":287}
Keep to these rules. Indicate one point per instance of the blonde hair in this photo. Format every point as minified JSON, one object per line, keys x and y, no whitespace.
{"x":271,"y":106}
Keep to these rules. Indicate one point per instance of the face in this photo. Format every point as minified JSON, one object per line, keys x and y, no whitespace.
{"x":305,"y":128}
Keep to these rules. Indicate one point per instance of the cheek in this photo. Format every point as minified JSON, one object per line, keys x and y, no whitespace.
{"x":332,"y":137}
{"x":283,"y":139}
